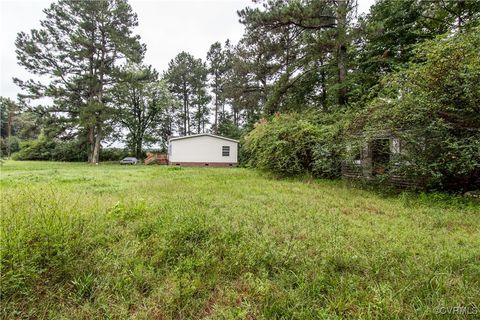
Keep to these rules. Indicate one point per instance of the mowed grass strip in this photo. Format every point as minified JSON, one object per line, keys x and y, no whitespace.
{"x":157,"y":242}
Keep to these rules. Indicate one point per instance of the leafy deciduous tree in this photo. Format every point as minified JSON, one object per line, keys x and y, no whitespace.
{"x":141,"y":103}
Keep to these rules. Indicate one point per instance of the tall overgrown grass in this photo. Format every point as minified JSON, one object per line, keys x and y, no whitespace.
{"x":140,"y":242}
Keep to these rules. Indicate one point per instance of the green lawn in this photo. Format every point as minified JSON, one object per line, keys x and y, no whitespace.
{"x":156,"y":242}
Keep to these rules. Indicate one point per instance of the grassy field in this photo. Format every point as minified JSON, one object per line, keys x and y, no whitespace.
{"x":156,"y":242}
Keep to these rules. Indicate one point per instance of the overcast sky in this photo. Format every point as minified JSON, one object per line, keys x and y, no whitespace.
{"x":166,"y":27}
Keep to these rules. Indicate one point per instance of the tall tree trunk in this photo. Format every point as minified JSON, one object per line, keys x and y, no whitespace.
{"x":138,"y":148}
{"x":215,"y":129}
{"x":323,"y":79}
{"x":342,"y":50}
{"x":97,"y":145}
{"x":184,"y":116}
{"x":91,"y":66}
{"x":235,"y":117}
{"x":185,"y":108}
{"x":263,"y":91}
{"x":99,"y":124}
{"x":187,"y":114}
{"x":199,"y":120}
{"x":461,"y":5}
{"x":9,"y":133}
{"x":90,"y":144}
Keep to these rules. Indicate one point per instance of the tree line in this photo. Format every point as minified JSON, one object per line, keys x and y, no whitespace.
{"x":87,"y":61}
{"x":294,"y":57}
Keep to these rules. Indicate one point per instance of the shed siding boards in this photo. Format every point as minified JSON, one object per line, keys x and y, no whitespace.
{"x":363,"y":168}
{"x":203,"y":149}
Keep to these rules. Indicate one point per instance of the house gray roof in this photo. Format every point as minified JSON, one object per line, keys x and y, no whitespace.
{"x":202,"y":135}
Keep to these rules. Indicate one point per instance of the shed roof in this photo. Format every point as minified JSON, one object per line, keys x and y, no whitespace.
{"x":203,"y":135}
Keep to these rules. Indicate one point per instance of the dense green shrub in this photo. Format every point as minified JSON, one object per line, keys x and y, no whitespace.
{"x":51,"y":149}
{"x":14,"y":145}
{"x":295,"y":143}
{"x":57,"y":150}
{"x":39,"y":149}
{"x":329,"y":152}
{"x":69,"y":151}
{"x":114,"y":154}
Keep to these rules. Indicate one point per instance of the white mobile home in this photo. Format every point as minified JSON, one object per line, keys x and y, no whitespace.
{"x":203,"y":150}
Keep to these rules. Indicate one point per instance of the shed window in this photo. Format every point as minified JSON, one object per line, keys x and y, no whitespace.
{"x":226,"y":151}
{"x":395,"y":146}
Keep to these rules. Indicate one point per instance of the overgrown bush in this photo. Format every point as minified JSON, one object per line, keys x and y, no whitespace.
{"x":39,"y":149}
{"x":51,"y":149}
{"x":295,"y":143}
{"x":56,"y":150}
{"x":14,"y":145}
{"x":69,"y":151}
{"x":114,"y":154}
{"x":434,"y":108}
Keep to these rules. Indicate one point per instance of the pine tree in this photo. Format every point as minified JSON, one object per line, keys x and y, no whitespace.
{"x":187,"y":78}
{"x":9,"y":109}
{"x":218,"y":67}
{"x":79,"y":46}
{"x":291,"y":27}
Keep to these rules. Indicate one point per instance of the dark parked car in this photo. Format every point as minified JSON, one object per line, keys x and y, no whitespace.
{"x":129,"y":160}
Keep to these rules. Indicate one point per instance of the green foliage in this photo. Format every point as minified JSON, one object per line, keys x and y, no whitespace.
{"x":35,"y":150}
{"x":51,"y":149}
{"x":227,"y":128}
{"x":69,"y":151}
{"x":8,"y":110}
{"x":109,"y":241}
{"x":117,"y":154}
{"x":391,"y":31}
{"x":78,"y":48}
{"x":433,"y":107}
{"x":143,"y":107}
{"x":187,"y":80}
{"x":56,"y":150}
{"x":13,"y":142}
{"x":219,"y":65}
{"x":283,"y":145}
{"x":293,"y":56}
{"x":296,"y":143}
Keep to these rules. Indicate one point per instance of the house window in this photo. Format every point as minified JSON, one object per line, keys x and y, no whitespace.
{"x":226,"y":151}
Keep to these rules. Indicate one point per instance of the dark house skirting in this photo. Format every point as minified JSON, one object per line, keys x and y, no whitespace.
{"x":204,"y":164}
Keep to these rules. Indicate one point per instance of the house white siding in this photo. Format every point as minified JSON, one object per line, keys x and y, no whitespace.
{"x":203,"y":148}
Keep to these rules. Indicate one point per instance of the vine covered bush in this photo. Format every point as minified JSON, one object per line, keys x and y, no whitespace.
{"x":433,"y":107}
{"x":294,"y":143}
{"x":44,"y":148}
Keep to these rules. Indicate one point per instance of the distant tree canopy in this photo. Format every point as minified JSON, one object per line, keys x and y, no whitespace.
{"x":187,"y":78}
{"x":305,"y":77}
{"x":142,"y":106}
